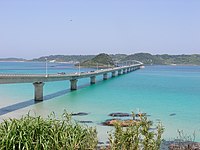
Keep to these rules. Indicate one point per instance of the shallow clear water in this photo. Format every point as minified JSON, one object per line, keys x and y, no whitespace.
{"x":157,"y":90}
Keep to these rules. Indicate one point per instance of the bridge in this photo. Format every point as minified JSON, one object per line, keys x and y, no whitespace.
{"x":38,"y":80}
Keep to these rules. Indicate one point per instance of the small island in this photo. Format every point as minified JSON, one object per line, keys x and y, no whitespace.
{"x":101,"y":61}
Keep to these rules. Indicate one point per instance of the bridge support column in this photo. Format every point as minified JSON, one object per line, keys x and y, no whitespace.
{"x":38,"y":91}
{"x":93,"y":80}
{"x":113,"y":74}
{"x":120,"y":72}
{"x":73,"y":84}
{"x":128,"y":70}
{"x":124,"y":71}
{"x":105,"y":76}
{"x":132,"y":69}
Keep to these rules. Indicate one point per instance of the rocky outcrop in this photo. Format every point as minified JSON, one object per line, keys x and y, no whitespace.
{"x":120,"y":114}
{"x":185,"y":146}
{"x":123,"y":123}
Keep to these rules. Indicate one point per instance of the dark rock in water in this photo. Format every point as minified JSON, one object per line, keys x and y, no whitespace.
{"x":107,"y":142}
{"x":173,"y":114}
{"x":100,"y":143}
{"x":119,"y":114}
{"x":79,"y":114}
{"x":83,"y":121}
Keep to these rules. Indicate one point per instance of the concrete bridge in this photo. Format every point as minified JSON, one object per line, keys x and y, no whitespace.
{"x":38,"y":80}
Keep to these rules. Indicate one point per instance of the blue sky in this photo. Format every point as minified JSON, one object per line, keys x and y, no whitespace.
{"x":33,"y":28}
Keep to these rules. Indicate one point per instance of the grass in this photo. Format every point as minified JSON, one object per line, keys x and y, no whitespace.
{"x":138,"y":136}
{"x":37,"y":133}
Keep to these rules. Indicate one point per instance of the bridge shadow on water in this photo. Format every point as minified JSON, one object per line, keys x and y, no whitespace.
{"x":30,"y":102}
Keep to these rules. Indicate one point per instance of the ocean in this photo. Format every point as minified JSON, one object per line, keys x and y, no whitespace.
{"x":170,"y":94}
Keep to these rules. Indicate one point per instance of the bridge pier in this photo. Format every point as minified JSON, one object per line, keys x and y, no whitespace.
{"x":93,"y":80}
{"x":113,"y":74}
{"x":124,"y":71}
{"x":128,"y":70}
{"x":38,"y":91}
{"x":120,"y":72}
{"x":73,"y":83}
{"x":105,"y":76}
{"x":132,"y":69}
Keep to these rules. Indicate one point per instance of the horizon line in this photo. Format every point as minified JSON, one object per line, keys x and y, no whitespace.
{"x":95,"y":55}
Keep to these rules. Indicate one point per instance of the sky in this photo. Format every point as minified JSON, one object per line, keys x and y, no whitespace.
{"x":34,"y":28}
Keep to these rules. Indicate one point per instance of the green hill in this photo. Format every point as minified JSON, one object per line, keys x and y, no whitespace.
{"x":145,"y":58}
{"x":102,"y":60}
{"x":105,"y":60}
{"x":65,"y":58}
{"x":165,"y":59}
{"x":12,"y":59}
{"x":181,"y":59}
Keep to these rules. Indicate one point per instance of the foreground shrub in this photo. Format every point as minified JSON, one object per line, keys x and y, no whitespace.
{"x":37,"y":133}
{"x":138,"y":136}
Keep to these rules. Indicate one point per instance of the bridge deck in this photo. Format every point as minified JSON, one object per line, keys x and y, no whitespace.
{"x":39,"y":79}
{"x":31,"y":78}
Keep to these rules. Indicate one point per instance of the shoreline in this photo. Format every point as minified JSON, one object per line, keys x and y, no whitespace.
{"x":74,"y":63}
{"x":103,"y":141}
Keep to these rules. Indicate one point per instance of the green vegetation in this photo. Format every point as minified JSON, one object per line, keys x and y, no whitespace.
{"x":76,"y":58}
{"x":165,"y":59}
{"x":117,"y":57}
{"x":65,"y":58}
{"x":137,"y":136}
{"x":37,"y":133}
{"x":102,"y":60}
{"x":145,"y":58}
{"x":105,"y":59}
{"x":12,"y":59}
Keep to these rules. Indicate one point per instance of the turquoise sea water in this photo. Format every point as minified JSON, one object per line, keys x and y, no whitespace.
{"x":157,"y":90}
